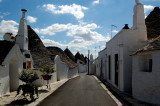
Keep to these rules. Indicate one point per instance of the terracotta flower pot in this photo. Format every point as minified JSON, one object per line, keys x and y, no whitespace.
{"x":46,"y":77}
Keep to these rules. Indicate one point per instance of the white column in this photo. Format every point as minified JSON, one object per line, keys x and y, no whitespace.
{"x":139,"y":17}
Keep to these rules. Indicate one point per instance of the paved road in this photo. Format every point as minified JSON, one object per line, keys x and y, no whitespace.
{"x":80,"y":91}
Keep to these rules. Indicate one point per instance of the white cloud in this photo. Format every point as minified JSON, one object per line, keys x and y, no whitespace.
{"x":148,"y":8}
{"x":80,"y":44}
{"x":51,"y":30}
{"x":49,"y":42}
{"x":77,"y":44}
{"x":95,"y":2}
{"x":31,"y":19}
{"x":3,"y":14}
{"x":8,"y":26}
{"x":84,"y":35}
{"x":74,"y":9}
{"x":115,"y":31}
{"x":86,"y":32}
{"x":42,"y":37}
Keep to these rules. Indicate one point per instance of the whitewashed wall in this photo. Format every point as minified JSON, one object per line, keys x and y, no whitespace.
{"x":146,"y":85}
{"x":102,"y":63}
{"x":13,"y":63}
{"x":61,"y":69}
{"x":92,"y":69}
{"x":82,"y":68}
{"x":73,"y":72}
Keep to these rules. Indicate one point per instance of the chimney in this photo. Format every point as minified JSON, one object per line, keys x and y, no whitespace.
{"x":23,"y":12}
{"x":126,"y":26}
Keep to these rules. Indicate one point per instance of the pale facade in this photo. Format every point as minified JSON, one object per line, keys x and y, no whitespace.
{"x":14,"y":58}
{"x":9,"y":69}
{"x":115,"y":62}
{"x":102,"y":64}
{"x":146,"y":71}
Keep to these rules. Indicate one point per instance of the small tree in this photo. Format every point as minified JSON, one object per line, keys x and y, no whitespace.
{"x":47,"y":69}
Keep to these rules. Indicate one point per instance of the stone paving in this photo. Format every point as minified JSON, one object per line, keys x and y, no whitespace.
{"x":10,"y":99}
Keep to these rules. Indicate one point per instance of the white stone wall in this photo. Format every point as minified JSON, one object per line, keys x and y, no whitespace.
{"x":82,"y":68}
{"x":101,"y":65}
{"x":92,"y":69}
{"x":61,"y":69}
{"x":13,"y":64}
{"x":73,"y":72}
{"x":145,"y":85}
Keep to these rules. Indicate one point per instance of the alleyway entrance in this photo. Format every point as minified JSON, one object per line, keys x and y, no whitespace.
{"x":80,"y":91}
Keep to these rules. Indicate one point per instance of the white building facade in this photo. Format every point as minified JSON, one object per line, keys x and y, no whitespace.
{"x":146,"y":71}
{"x":14,"y":57}
{"x":115,"y":62}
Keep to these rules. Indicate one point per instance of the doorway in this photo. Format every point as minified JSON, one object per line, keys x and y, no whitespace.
{"x":116,"y":69}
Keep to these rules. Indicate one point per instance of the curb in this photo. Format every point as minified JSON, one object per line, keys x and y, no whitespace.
{"x":109,"y":93}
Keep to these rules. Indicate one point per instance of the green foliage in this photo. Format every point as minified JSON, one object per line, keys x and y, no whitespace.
{"x":47,"y":69}
{"x":28,"y":76}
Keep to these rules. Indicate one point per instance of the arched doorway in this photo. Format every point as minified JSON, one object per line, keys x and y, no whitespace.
{"x":13,"y":75}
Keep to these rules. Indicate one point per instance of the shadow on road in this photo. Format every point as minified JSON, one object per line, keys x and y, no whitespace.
{"x":19,"y":102}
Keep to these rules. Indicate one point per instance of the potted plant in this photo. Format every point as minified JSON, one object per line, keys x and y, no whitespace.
{"x":47,"y":70}
{"x":28,"y":77}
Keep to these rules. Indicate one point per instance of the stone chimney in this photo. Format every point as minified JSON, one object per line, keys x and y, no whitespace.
{"x":139,"y":17}
{"x":22,"y":36}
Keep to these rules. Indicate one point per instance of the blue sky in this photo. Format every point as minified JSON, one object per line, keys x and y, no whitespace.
{"x":78,"y":24}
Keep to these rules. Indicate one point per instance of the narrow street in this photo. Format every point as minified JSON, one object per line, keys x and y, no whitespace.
{"x":81,"y":91}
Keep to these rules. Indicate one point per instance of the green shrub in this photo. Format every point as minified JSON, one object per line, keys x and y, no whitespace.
{"x":28,"y":76}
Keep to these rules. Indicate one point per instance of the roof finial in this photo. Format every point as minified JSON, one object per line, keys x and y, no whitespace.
{"x":137,"y":1}
{"x":23,"y":12}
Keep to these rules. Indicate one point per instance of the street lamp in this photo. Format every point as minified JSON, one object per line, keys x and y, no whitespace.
{"x":88,"y":61}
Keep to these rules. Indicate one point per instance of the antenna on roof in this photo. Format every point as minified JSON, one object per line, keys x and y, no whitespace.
{"x":112,"y":29}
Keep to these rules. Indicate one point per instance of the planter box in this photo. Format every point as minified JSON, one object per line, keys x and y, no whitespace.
{"x":46,"y":77}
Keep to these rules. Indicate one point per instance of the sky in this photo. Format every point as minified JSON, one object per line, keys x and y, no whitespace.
{"x":80,"y":25}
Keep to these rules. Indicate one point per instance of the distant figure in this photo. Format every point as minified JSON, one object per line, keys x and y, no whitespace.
{"x":137,"y":1}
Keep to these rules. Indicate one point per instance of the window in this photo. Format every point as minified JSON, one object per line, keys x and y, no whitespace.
{"x":24,"y":65}
{"x":27,"y":55}
{"x":146,"y":63}
{"x":116,"y":64}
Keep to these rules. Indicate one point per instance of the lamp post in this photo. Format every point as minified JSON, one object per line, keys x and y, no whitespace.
{"x":88,"y":61}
